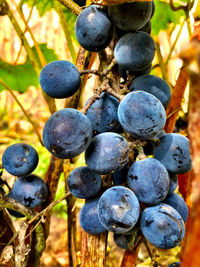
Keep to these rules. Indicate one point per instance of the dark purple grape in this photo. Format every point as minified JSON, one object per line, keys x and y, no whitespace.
{"x":141,"y":114}
{"x":103,"y":114}
{"x":31,"y":191}
{"x":89,"y":219}
{"x":162,"y":226}
{"x":83,"y":183}
{"x":173,"y":152}
{"x":149,"y":180}
{"x":118,"y":209}
{"x":178,"y":203}
{"x":60,"y":79}
{"x":67,"y":133}
{"x":20,"y":159}
{"x":130,"y":16}
{"x":93,"y":28}
{"x":108,"y":152}
{"x":153,"y":85}
{"x":134,"y":51}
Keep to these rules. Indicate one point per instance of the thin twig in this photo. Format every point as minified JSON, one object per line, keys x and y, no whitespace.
{"x":48,"y":208}
{"x":27,"y":21}
{"x":175,"y":41}
{"x":176,"y":8}
{"x":76,"y":9}
{"x":23,"y":110}
{"x":63,"y":22}
{"x":39,"y":52}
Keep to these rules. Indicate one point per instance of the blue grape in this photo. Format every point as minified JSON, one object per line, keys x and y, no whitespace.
{"x":93,"y":28}
{"x":123,"y":240}
{"x":118,"y":209}
{"x":178,"y":203}
{"x":107,"y":152}
{"x":141,"y":114}
{"x":83,"y":183}
{"x":149,"y":180}
{"x":120,"y":177}
{"x":31,"y":191}
{"x":60,"y":79}
{"x":153,"y":85}
{"x":130,"y":16}
{"x":173,"y":178}
{"x":103,"y":114}
{"x":134,"y":51}
{"x":20,"y":159}
{"x":14,"y":212}
{"x":162,"y":226}
{"x":88,"y":218}
{"x":173,"y":152}
{"x":67,"y":133}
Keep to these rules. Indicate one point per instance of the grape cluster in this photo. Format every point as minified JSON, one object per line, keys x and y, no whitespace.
{"x":140,"y":199}
{"x":30,"y":190}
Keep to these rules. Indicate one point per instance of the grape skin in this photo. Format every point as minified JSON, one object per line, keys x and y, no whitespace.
{"x":67,"y":133}
{"x":173,"y":152}
{"x":178,"y":203}
{"x":93,"y":28}
{"x":107,"y":152}
{"x":31,"y":191}
{"x":83,"y":183}
{"x":118,"y":209}
{"x":20,"y":159}
{"x":162,"y":226}
{"x":149,"y":180}
{"x":130,"y":16}
{"x":103,"y":114}
{"x":88,"y":218}
{"x":130,"y":52}
{"x":141,"y":114}
{"x":60,"y":79}
{"x":153,"y":85}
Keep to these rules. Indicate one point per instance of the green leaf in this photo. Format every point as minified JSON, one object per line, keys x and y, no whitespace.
{"x":48,"y":53}
{"x":19,"y":77}
{"x":42,"y":5}
{"x":164,"y":16}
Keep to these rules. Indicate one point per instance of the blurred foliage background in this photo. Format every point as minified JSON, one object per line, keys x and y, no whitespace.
{"x":48,"y":26}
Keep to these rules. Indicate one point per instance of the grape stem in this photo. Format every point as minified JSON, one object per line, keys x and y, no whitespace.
{"x":105,"y":72}
{"x":76,"y":9}
{"x":104,"y":87}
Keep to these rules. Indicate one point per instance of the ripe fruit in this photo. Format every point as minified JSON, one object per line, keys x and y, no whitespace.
{"x":107,"y":152}
{"x":67,"y":133}
{"x":153,"y":85}
{"x":130,"y":16}
{"x":60,"y":79}
{"x":141,"y":114}
{"x":134,"y":51}
{"x":118,"y":209}
{"x":162,"y":226}
{"x":149,"y":180}
{"x":83,"y":183}
{"x":31,"y":191}
{"x":103,"y":114}
{"x":93,"y":28}
{"x":20,"y":159}
{"x":89,"y":219}
{"x":173,"y":152}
